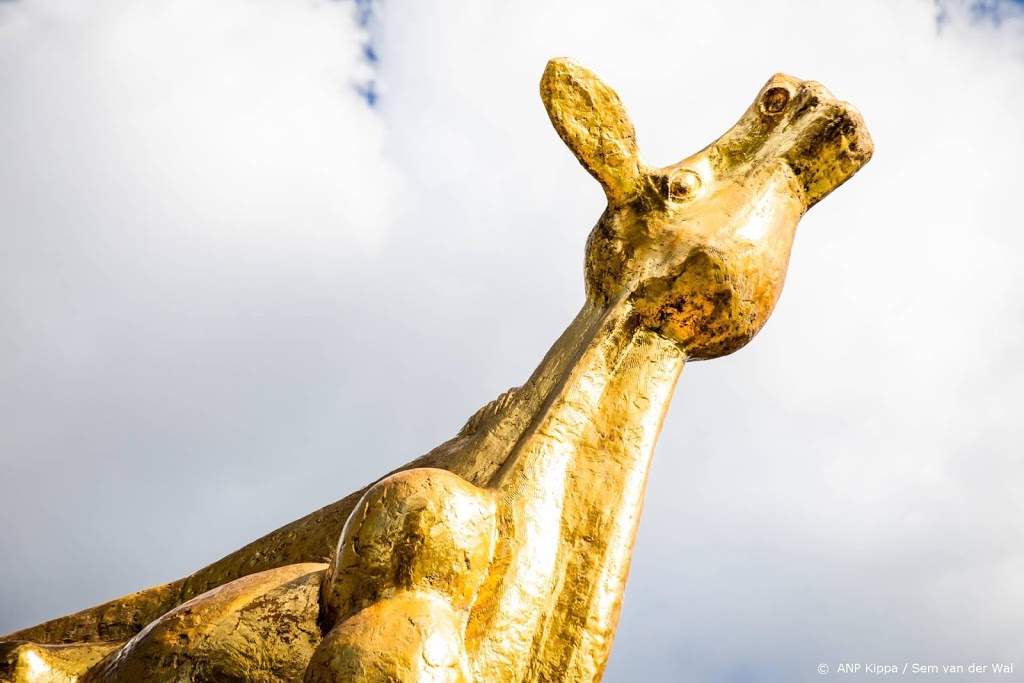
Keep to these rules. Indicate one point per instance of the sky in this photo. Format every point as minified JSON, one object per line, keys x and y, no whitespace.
{"x":256,"y":253}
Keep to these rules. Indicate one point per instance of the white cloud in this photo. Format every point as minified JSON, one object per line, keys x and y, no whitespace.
{"x":845,"y":488}
{"x":181,"y":186}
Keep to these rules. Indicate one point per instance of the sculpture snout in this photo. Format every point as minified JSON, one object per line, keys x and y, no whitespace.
{"x":828,"y":142}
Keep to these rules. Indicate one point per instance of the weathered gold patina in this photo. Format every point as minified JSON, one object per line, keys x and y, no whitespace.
{"x":501,"y":556}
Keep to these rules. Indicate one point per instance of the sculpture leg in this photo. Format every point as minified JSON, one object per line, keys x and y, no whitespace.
{"x":396,"y":599}
{"x":262,"y":627}
{"x":411,"y":637}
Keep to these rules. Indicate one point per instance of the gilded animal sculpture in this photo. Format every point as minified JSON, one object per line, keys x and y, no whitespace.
{"x":501,"y":555}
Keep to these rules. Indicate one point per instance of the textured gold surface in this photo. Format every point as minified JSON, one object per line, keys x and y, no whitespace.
{"x":32,"y":663}
{"x":501,"y":556}
{"x":261,"y":627}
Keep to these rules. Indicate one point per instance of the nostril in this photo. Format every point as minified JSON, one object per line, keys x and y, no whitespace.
{"x":775,"y":100}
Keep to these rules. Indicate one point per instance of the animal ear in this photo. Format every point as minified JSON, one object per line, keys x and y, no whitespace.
{"x":591,"y":120}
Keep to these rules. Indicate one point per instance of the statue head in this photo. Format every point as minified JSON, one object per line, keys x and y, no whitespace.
{"x":699,"y":249}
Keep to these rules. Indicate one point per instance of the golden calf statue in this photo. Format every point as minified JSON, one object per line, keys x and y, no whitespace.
{"x":501,"y":556}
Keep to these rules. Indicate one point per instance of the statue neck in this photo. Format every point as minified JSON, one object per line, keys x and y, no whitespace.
{"x":606,"y":383}
{"x":570,"y":493}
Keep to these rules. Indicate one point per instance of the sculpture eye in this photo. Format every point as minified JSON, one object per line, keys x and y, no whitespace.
{"x":683,"y":184}
{"x":775,"y":100}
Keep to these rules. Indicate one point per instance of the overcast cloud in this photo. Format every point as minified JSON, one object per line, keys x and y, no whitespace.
{"x":232,"y":292}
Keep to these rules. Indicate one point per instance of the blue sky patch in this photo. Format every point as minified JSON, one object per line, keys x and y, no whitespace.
{"x":994,"y":11}
{"x":365,"y":18}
